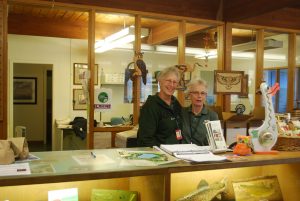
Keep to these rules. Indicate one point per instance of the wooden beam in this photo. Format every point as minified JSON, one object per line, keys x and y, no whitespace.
{"x":137,"y":80}
{"x":259,"y":64}
{"x":181,"y":53}
{"x":291,"y":71}
{"x":91,"y":65}
{"x":27,"y":25}
{"x":189,"y":8}
{"x":169,"y":31}
{"x":237,"y":10}
{"x":284,"y":18}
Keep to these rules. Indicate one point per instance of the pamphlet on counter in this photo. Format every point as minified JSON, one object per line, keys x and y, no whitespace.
{"x":145,"y":158}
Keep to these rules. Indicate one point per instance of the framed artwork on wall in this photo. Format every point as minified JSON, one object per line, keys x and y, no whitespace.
{"x":79,"y":100}
{"x":228,"y":82}
{"x":25,"y":90}
{"x":79,"y":69}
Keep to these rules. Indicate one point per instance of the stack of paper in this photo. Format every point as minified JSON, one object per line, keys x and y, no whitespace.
{"x":184,"y":148}
{"x":192,"y":152}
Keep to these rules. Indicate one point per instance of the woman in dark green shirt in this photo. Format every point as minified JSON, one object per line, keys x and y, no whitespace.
{"x":160,"y":119}
{"x":194,"y":130}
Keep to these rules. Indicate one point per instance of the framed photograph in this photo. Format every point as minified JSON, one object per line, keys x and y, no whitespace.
{"x":25,"y":90}
{"x":228,"y":82}
{"x":245,"y":88}
{"x":252,"y":188}
{"x":79,"y":100}
{"x":79,"y":72}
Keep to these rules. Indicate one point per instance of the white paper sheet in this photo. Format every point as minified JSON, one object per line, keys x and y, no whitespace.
{"x":89,"y":159}
{"x":209,"y":157}
{"x":15,"y":169}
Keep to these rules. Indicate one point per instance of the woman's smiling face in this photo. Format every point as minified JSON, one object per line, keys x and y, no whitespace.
{"x":168,"y":84}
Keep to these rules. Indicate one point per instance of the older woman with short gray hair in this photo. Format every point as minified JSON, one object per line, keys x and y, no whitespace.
{"x":160,"y":120}
{"x":194,"y":130}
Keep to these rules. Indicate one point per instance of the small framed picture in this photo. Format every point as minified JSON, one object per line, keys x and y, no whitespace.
{"x":80,"y":71}
{"x":25,"y":90}
{"x":228,"y":82}
{"x":79,"y":100}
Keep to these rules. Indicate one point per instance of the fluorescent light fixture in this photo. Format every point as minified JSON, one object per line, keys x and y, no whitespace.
{"x":251,"y":46}
{"x":166,"y":49}
{"x":280,"y":57}
{"x":118,"y":39}
{"x":243,"y":55}
{"x":210,"y":55}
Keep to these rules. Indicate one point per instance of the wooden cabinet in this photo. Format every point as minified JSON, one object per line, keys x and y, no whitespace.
{"x":159,"y":183}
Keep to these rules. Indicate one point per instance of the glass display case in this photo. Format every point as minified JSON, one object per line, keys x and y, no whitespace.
{"x":78,"y":169}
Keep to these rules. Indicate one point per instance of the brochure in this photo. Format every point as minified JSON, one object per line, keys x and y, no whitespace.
{"x":145,"y":158}
{"x":215,"y":136}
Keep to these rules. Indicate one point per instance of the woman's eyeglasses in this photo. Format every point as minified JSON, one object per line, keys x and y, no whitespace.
{"x":198,"y":93}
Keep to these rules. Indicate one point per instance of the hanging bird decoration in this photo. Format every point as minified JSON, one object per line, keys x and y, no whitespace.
{"x":129,"y":72}
{"x":142,"y":66}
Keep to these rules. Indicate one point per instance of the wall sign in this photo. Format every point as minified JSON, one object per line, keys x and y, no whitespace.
{"x":103,"y":99}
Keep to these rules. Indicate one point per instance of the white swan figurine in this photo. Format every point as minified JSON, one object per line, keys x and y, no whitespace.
{"x":264,"y":137}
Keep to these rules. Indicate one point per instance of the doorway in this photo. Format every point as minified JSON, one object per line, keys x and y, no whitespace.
{"x":35,"y":116}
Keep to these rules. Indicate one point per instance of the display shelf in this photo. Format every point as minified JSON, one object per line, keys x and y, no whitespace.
{"x":163,"y":182}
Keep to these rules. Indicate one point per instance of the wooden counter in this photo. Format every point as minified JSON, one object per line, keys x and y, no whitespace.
{"x":68,"y":170}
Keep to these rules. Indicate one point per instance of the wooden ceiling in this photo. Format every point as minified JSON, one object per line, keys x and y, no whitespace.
{"x":53,"y":19}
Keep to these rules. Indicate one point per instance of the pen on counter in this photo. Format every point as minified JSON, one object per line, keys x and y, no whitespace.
{"x":93,"y":154}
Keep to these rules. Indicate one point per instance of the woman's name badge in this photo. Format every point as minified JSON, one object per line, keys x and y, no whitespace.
{"x":178,"y":134}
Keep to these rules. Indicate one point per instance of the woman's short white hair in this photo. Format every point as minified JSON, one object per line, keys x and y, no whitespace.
{"x":195,"y":82}
{"x":167,"y":71}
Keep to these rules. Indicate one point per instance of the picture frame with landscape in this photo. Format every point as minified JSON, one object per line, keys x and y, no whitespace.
{"x":25,"y":90}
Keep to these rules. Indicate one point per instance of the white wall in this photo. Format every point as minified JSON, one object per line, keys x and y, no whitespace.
{"x":45,"y":50}
{"x":32,"y":116}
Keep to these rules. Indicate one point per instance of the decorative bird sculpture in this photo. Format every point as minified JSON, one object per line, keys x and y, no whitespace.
{"x":265,"y":136}
{"x":142,"y":66}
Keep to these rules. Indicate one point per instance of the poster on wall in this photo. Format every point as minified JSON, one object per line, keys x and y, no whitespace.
{"x":103,"y":100}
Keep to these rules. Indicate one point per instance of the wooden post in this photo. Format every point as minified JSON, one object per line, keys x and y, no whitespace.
{"x":224,"y":59}
{"x":3,"y":70}
{"x":259,"y":64}
{"x":137,"y":80}
{"x":91,"y":66}
{"x":181,"y":54}
{"x":291,"y":72}
{"x":221,"y":57}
